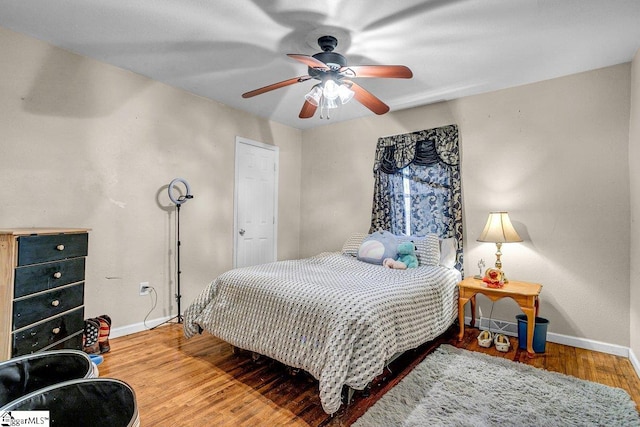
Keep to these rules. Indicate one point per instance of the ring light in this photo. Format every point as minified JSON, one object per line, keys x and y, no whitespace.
{"x":180,"y":199}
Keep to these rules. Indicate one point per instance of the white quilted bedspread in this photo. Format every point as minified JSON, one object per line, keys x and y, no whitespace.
{"x":338,"y":318}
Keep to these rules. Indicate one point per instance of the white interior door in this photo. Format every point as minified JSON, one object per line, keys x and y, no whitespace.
{"x":256,"y":216}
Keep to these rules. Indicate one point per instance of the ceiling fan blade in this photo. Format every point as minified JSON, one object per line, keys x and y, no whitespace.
{"x":309,"y":61}
{"x":308,"y":110}
{"x":275,"y":86}
{"x":367,"y":99}
{"x":381,"y":71}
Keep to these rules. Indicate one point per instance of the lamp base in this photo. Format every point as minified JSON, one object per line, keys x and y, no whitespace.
{"x":499,"y":262}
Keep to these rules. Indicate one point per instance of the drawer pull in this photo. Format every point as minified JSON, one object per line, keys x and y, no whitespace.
{"x":60,"y":247}
{"x":55,"y":303}
{"x":55,"y":331}
{"x":57,"y":275}
{"x":35,"y":344}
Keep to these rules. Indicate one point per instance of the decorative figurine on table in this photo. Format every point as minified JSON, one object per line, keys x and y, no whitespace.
{"x":480,"y":267}
{"x":494,"y":278}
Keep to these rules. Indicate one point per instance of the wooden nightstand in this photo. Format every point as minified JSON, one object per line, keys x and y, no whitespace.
{"x":524,"y":293}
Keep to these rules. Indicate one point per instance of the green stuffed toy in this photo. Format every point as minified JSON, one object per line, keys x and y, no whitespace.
{"x":406,"y":257}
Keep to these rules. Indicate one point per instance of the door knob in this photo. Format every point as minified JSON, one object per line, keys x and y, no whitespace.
{"x":242,"y":231}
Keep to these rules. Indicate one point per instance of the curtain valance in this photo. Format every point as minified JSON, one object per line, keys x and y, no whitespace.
{"x":424,"y":147}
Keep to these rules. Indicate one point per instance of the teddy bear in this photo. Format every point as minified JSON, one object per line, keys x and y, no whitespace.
{"x":406,"y":257}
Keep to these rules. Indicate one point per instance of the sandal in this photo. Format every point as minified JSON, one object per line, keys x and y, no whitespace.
{"x":485,"y":339}
{"x":502,"y":343}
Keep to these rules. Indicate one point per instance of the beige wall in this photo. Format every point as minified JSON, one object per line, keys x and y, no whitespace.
{"x":553,"y":154}
{"x":634,"y":179}
{"x":85,"y":144}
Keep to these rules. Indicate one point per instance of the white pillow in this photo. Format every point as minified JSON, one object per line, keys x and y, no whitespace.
{"x":448,"y":248}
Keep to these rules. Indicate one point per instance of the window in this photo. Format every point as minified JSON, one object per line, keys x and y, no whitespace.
{"x":406,"y":189}
{"x":421,"y":200}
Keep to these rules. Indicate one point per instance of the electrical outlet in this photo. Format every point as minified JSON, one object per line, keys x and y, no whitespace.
{"x":145,"y":288}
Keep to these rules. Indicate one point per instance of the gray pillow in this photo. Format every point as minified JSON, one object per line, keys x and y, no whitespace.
{"x":352,"y":244}
{"x":427,"y":248}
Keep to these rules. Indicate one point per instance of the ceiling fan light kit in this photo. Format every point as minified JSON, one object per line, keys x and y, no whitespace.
{"x":331,"y":69}
{"x":345,"y":94}
{"x":326,"y":96}
{"x":314,"y":95}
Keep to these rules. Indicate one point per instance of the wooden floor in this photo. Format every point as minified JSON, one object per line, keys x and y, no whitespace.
{"x":201,"y":382}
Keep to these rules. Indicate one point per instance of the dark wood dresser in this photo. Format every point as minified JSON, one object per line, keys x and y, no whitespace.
{"x":41,"y":289}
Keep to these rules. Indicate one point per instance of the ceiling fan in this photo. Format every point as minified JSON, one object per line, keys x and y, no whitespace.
{"x":336,"y":86}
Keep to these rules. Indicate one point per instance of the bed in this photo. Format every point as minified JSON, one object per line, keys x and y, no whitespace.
{"x":332,"y":315}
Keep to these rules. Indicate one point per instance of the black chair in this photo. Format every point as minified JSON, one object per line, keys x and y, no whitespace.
{"x":83,"y":402}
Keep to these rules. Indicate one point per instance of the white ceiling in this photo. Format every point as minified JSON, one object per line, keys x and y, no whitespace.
{"x":221,"y":49}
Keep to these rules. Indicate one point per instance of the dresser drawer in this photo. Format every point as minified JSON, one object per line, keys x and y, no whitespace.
{"x":42,"y":277}
{"x":73,"y":342}
{"x":51,"y":247}
{"x":47,"y":333}
{"x":41,"y":306}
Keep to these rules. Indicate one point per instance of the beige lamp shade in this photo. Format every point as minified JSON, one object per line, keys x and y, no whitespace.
{"x":499,"y":229}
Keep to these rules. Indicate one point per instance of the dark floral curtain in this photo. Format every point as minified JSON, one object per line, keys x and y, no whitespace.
{"x":428,"y":162}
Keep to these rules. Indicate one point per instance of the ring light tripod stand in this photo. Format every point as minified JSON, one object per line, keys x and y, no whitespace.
{"x":178,"y":202}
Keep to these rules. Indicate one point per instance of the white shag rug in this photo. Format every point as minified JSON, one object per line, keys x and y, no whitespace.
{"x":455,"y":387}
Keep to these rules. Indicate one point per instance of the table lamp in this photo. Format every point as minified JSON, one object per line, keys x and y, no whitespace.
{"x":499,"y":230}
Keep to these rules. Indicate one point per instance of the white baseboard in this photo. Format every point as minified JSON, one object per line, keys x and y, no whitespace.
{"x":137,"y":327}
{"x":634,"y":362}
{"x":511,"y":329}
{"x":588,"y":344}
